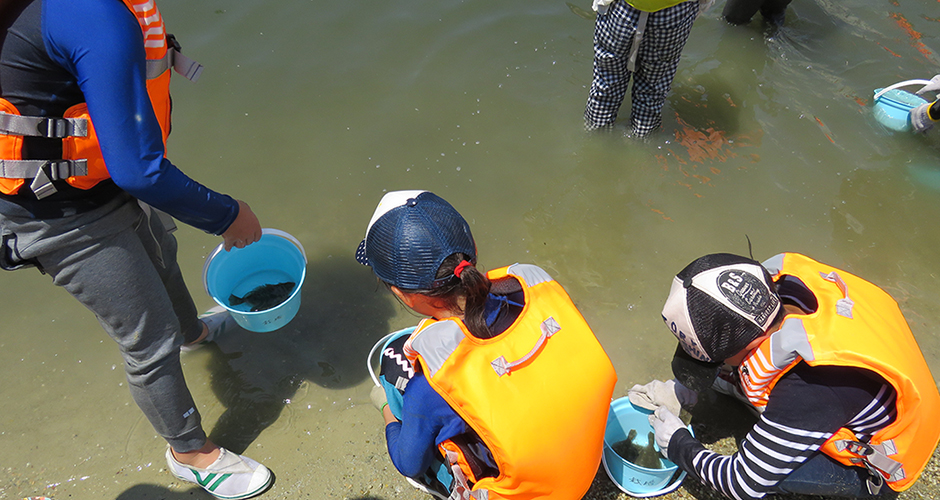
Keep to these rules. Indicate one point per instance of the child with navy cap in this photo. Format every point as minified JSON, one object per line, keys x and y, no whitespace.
{"x":474,"y":405}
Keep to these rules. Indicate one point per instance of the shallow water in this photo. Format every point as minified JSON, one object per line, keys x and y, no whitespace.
{"x":311,"y":110}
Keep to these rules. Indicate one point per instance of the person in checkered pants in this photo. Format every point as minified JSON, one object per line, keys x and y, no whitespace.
{"x":642,"y":39}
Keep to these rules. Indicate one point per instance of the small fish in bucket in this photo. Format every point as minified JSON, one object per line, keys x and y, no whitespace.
{"x":259,"y":284}
{"x":631,"y":458}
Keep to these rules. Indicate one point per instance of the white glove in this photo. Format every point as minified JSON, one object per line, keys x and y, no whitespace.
{"x":665,"y":424}
{"x":378,"y":397}
{"x":933,"y":85}
{"x":920,"y":119}
{"x":601,"y":6}
{"x":670,"y":394}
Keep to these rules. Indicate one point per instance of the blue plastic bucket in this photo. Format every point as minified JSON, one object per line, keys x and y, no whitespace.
{"x":631,"y":478}
{"x":893,"y":108}
{"x":276,"y":258}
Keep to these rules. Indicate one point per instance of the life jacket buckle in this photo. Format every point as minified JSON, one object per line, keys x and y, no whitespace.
{"x":173,"y":43}
{"x":55,"y":170}
{"x":54,"y":128}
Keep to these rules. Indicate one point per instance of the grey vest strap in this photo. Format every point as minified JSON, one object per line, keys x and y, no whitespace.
{"x":175,"y":59}
{"x":875,"y":456}
{"x":42,"y":172}
{"x":39,"y":126}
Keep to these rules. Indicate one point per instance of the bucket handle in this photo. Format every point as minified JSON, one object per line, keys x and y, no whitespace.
{"x":905,"y":83}
{"x":286,"y":236}
{"x":381,"y":343}
{"x":267,"y":230}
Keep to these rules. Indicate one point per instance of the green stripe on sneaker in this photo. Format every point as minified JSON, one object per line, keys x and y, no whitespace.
{"x":204,"y":482}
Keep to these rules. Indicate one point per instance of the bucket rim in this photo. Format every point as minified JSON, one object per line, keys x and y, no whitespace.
{"x":264,"y":231}
{"x":624,"y":402}
{"x":666,"y":489}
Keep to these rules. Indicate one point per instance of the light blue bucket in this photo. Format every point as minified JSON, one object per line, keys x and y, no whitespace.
{"x":893,"y":106}
{"x":277,"y":257}
{"x":632,"y":479}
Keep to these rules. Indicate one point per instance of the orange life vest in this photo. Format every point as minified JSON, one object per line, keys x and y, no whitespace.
{"x":537,"y":394}
{"x":857,"y":325}
{"x":82,"y":164}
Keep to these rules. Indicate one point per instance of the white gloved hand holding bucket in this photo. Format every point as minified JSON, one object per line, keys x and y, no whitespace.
{"x":665,"y":424}
{"x":670,"y":394}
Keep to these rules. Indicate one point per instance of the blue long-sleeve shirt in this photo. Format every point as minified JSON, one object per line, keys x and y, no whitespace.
{"x":100,"y":44}
{"x":412,"y":443}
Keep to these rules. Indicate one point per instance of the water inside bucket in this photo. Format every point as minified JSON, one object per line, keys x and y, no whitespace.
{"x":277,"y":258}
{"x":631,"y":478}
{"x":256,"y":279}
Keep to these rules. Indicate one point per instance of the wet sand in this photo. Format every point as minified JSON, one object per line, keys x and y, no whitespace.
{"x":341,"y":457}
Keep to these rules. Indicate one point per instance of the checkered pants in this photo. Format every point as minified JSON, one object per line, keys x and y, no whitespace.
{"x":666,"y":32}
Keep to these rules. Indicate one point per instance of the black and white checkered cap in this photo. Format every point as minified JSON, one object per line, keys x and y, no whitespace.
{"x":718,"y":304}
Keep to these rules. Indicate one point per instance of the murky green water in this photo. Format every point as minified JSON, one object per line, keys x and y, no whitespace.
{"x":311,"y":110}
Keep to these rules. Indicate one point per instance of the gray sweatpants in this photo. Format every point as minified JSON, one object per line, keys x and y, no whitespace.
{"x":121,"y":265}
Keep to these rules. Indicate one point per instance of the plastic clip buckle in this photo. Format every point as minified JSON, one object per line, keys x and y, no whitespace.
{"x":54,"y":128}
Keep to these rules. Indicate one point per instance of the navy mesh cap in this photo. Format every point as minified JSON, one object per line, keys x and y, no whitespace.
{"x":410,"y":235}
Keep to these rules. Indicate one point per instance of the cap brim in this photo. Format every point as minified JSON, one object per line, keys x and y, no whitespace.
{"x":693,"y":373}
{"x":361,"y":254}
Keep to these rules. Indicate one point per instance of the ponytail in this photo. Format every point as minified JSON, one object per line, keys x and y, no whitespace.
{"x":465,"y":281}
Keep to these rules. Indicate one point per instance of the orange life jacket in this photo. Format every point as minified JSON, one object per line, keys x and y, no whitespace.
{"x":82,"y":164}
{"x":857,"y":325}
{"x":537,"y":394}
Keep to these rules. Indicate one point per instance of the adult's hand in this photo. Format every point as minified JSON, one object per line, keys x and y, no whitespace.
{"x":245,"y":229}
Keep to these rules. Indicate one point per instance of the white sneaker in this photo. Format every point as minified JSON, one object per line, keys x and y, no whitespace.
{"x":219,"y":320}
{"x":429,"y":491}
{"x":230,"y":477}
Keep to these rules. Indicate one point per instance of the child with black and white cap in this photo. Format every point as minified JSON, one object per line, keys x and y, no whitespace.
{"x":827,"y":361}
{"x":504,"y":390}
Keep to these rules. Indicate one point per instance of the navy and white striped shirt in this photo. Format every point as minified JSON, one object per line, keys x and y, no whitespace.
{"x":805,"y":408}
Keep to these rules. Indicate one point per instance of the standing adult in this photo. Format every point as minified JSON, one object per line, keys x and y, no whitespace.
{"x":86,"y":113}
{"x":642,"y":39}
{"x":847,"y":404}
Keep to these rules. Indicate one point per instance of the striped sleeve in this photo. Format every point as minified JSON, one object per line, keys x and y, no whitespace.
{"x":769,"y":453}
{"x":807,"y":406}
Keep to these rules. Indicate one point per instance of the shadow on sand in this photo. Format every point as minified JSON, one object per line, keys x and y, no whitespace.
{"x":343,"y":312}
